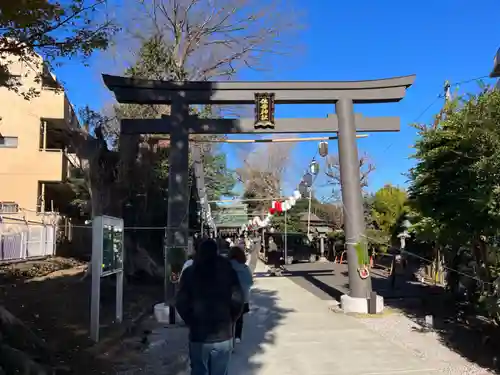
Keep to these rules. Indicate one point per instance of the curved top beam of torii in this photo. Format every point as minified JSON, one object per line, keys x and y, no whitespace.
{"x":143,"y":91}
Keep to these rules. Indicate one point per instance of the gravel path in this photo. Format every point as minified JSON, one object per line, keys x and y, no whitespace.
{"x":403,"y":331}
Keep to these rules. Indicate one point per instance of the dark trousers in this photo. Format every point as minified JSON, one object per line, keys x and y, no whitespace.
{"x":238,"y":327}
{"x":273,"y":259}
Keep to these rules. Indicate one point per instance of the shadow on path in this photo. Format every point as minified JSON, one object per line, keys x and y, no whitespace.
{"x":474,"y":339}
{"x":164,"y":350}
{"x":258,"y":332}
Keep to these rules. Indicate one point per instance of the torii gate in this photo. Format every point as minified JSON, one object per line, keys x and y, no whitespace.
{"x":179,"y":95}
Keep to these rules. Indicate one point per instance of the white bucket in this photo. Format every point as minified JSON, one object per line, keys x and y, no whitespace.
{"x":162,"y":314}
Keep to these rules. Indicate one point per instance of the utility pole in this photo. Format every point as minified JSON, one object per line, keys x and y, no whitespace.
{"x":285,"y":253}
{"x":309,"y":212}
{"x":437,"y":265}
{"x":447,"y":98}
{"x":495,"y":73}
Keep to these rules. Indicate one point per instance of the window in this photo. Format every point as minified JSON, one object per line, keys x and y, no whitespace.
{"x":9,"y":208}
{"x":8,"y":142}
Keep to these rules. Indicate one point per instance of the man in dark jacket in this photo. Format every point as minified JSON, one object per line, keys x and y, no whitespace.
{"x":210,"y":300}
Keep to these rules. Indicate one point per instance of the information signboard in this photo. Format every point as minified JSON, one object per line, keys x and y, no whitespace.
{"x":107,"y":259}
{"x":112,"y":249}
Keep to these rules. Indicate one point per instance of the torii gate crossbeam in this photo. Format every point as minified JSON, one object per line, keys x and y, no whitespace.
{"x":342,"y":94}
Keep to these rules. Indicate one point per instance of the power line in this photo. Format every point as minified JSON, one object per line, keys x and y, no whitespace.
{"x":440,"y":96}
{"x":468,"y":81}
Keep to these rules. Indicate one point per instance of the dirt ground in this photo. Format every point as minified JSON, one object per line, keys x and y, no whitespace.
{"x":51,"y":298}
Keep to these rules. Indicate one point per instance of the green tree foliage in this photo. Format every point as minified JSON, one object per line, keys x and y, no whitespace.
{"x":293,"y":224}
{"x":456,"y":180}
{"x":455,"y":189}
{"x":388,"y":206}
{"x":219,"y":180}
{"x":51,"y":29}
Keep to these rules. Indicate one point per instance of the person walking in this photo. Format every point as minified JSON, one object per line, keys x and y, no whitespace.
{"x":273,"y":257}
{"x":210,"y":301}
{"x":238,"y":261}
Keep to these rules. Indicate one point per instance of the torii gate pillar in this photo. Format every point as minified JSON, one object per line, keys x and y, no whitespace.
{"x":343,"y":94}
{"x":352,"y":200}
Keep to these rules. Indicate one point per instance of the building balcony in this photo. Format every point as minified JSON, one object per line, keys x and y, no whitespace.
{"x":54,"y":104}
{"x":56,"y":165}
{"x":56,"y":148}
{"x":52,"y":166}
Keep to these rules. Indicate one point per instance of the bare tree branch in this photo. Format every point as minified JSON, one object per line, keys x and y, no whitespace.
{"x":333,"y":172}
{"x":263,"y":171}
{"x":212,"y":39}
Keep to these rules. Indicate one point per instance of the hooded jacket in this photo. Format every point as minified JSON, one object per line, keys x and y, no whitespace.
{"x":245,"y":278}
{"x":210,"y":298}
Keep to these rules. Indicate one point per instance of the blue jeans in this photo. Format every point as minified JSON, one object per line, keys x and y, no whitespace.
{"x":211,"y":358}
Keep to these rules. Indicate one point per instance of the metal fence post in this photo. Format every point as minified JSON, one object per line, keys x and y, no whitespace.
{"x":43,"y":240}
{"x":26,"y":243}
{"x":23,"y":247}
{"x":54,"y":241}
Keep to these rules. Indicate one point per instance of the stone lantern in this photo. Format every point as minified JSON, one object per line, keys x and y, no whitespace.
{"x":404,"y":234}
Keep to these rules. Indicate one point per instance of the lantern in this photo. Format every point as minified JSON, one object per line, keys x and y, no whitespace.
{"x":303,"y":188}
{"x":308,"y":179}
{"x":314,"y":167}
{"x":323,"y":149}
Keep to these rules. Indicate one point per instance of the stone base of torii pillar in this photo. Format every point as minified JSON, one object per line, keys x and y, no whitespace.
{"x":350,"y":304}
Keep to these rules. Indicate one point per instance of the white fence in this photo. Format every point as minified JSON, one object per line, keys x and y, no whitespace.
{"x":26,"y":241}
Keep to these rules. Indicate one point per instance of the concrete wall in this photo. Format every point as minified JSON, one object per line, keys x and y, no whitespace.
{"x":22,"y":167}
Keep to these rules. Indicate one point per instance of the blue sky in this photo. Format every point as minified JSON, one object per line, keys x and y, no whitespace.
{"x":437,"y":40}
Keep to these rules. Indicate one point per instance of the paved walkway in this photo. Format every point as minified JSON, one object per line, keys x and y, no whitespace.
{"x":290,"y":331}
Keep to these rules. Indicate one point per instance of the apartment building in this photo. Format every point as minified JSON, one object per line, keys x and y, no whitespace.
{"x":35,"y":148}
